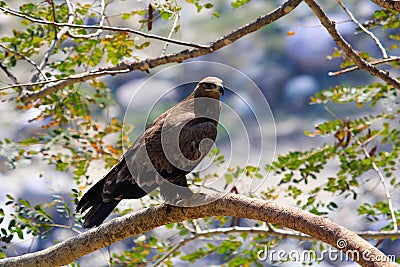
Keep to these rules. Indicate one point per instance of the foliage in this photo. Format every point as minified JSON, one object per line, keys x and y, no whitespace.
{"x":75,"y":132}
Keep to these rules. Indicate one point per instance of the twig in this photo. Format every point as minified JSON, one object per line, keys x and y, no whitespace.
{"x":390,"y":4}
{"x":346,"y":47}
{"x":30,"y":61}
{"x":32,"y":83}
{"x":376,"y":62}
{"x":177,"y":16}
{"x":8,"y":73}
{"x":51,"y":48}
{"x":382,"y":179}
{"x":377,"y":41}
{"x":96,"y":27}
{"x":101,"y":21}
{"x":187,"y":226}
{"x":196,"y":225}
{"x":376,"y":169}
{"x":10,"y":76}
{"x":77,"y":78}
{"x":147,"y":64}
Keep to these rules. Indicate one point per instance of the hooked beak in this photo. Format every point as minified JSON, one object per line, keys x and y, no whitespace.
{"x":221,"y":89}
{"x":218,"y":89}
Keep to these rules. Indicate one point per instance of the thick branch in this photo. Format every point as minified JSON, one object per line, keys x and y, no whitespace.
{"x":225,"y":205}
{"x":147,"y":64}
{"x":268,"y":232}
{"x":390,"y":4}
{"x":346,"y":47}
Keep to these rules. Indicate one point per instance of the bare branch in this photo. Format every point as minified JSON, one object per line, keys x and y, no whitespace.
{"x":30,"y":61}
{"x":382,"y":180}
{"x":8,"y":73}
{"x":390,"y":4}
{"x":101,"y":21}
{"x":376,"y":62}
{"x":346,"y":47}
{"x":221,"y":205}
{"x":147,"y":64}
{"x":97,"y":27}
{"x":377,"y":41}
{"x":177,"y":17}
{"x":48,"y":52}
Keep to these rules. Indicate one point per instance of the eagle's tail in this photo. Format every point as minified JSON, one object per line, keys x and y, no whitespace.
{"x":97,"y":214}
{"x":99,"y":210}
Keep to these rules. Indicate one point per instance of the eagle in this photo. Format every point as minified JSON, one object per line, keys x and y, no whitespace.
{"x":169,"y":148}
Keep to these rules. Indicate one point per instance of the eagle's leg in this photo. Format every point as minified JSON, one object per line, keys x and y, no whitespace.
{"x":197,"y":199}
{"x":173,"y":191}
{"x":178,"y":193}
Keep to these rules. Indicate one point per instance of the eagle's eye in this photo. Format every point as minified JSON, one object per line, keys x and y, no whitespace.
{"x":209,"y":85}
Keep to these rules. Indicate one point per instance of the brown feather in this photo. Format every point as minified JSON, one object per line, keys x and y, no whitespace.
{"x":169,"y":148}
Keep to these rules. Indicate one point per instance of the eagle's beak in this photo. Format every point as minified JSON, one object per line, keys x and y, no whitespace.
{"x":221,"y":89}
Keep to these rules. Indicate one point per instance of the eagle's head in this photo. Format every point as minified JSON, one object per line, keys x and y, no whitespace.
{"x":209,"y":87}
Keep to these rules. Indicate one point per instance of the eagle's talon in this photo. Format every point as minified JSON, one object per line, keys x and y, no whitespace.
{"x":197,"y":199}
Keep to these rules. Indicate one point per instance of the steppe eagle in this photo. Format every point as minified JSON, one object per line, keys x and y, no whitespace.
{"x":168,"y":149}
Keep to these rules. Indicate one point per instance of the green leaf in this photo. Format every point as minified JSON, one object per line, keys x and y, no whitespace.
{"x":126,"y":16}
{"x":239,"y":3}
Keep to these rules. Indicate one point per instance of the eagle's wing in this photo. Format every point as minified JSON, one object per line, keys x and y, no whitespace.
{"x":168,"y":149}
{"x":195,"y":141}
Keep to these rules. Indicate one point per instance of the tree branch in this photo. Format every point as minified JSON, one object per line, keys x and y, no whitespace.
{"x":47,"y":54}
{"x":8,"y":73}
{"x":101,"y":21}
{"x":346,"y":47}
{"x":98,"y":27}
{"x":382,"y":180}
{"x":147,"y":64}
{"x":375,"y":62}
{"x":30,"y":61}
{"x":362,"y":28}
{"x":390,"y":4}
{"x":268,"y":232}
{"x":221,"y":205}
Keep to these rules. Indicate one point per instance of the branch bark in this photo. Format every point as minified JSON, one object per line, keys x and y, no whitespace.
{"x":390,"y":4}
{"x":346,"y":47}
{"x":147,"y":64}
{"x":222,"y":205}
{"x":375,"y":62}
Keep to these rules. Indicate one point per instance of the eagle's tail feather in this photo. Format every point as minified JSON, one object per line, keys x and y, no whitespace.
{"x":93,"y":200}
{"x":97,"y":214}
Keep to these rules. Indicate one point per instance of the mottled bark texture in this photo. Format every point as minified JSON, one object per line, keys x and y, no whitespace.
{"x":390,"y":4}
{"x":226,"y":205}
